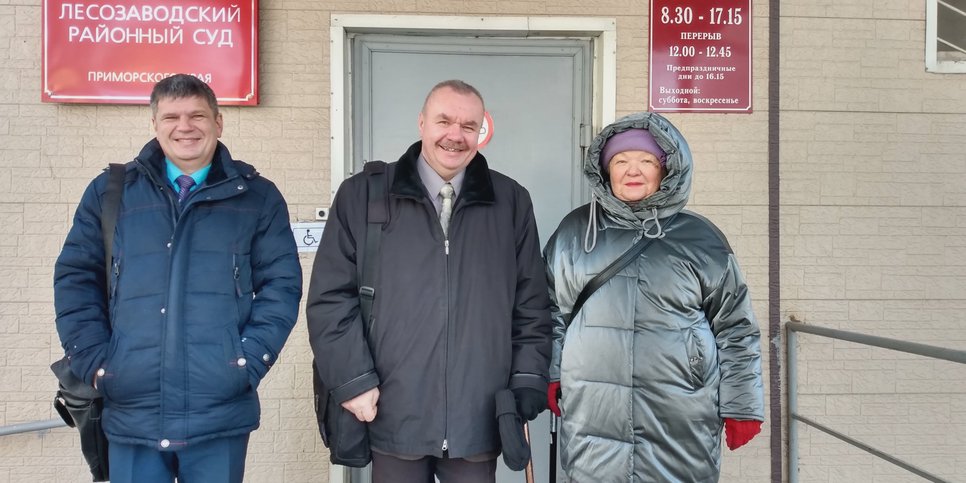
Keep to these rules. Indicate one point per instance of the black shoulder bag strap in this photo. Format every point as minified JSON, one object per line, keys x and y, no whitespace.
{"x":616,"y":266}
{"x":377,"y":215}
{"x":109,"y":211}
{"x":347,"y":439}
{"x":79,"y":404}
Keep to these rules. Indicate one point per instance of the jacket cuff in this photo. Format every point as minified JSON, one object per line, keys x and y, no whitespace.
{"x":84,"y":364}
{"x":355,"y":387}
{"x":259,"y":360}
{"x":741,"y":416}
{"x":526,"y":379}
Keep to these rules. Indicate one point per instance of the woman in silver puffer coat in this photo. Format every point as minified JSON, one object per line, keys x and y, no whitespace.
{"x":666,"y":354}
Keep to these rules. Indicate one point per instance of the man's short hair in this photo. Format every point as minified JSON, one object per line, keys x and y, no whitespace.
{"x":458,"y":86}
{"x":180,"y":86}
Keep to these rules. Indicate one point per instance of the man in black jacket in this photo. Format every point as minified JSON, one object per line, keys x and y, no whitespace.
{"x":461,"y":308}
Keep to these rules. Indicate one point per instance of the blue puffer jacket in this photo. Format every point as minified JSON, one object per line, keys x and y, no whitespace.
{"x":202,"y":301}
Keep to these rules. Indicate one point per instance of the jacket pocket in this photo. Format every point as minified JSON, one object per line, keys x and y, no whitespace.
{"x":129,"y":371}
{"x":241,"y":272}
{"x":104,"y":382}
{"x":235,"y":356}
{"x":241,"y":267}
{"x":696,"y":357}
{"x":702,"y":355}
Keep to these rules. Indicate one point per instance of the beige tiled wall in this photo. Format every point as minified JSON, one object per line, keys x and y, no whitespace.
{"x":872,"y":217}
{"x":873,"y":153}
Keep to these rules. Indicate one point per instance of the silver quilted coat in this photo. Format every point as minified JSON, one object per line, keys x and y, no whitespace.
{"x":667,"y":348}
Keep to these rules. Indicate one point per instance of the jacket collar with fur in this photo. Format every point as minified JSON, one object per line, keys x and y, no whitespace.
{"x":477,"y":185}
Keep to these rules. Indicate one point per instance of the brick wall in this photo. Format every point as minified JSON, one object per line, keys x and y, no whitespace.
{"x":872,"y":173}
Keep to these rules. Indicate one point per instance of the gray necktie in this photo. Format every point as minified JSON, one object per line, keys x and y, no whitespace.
{"x":446,"y":209}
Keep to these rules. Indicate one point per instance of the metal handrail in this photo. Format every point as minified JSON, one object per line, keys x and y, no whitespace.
{"x":791,"y":328}
{"x":935,"y":352}
{"x":31,"y":426}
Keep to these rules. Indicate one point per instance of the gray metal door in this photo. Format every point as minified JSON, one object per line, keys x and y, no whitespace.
{"x":537,"y":93}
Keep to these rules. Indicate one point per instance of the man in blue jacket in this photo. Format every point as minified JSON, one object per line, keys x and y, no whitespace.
{"x":204,"y":291}
{"x":461,"y":308}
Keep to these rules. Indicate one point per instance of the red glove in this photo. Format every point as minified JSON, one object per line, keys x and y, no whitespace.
{"x":553,"y":397}
{"x":738,"y":432}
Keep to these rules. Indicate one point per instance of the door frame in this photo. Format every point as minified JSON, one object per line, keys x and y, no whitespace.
{"x":602,"y":31}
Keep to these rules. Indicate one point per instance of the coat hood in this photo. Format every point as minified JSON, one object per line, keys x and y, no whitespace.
{"x":646,"y":214}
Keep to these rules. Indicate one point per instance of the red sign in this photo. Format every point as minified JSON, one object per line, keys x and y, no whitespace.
{"x":486,"y":131}
{"x":114,"y":53}
{"x":700,"y":56}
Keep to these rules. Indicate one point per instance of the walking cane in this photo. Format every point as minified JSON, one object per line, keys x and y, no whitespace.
{"x":529,"y":469}
{"x":554,"y":421}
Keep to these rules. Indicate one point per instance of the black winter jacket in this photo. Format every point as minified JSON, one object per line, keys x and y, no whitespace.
{"x":448,"y":331}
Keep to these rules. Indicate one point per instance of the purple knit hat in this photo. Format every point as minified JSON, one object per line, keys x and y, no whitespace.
{"x":631,"y":140}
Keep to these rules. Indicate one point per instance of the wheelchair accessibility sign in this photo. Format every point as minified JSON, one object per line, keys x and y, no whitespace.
{"x":308,"y":235}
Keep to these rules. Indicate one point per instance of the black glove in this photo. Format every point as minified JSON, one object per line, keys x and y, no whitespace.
{"x":513,"y":442}
{"x":530,"y":402}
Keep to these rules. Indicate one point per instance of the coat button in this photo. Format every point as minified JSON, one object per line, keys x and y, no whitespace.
{"x":266,"y":357}
{"x":101,"y":372}
{"x":165,"y":443}
{"x":241,"y":362}
{"x":168,"y":245}
{"x":163,"y":310}
{"x":240,"y":187}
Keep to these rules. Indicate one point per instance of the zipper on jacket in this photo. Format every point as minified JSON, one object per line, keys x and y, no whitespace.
{"x":235,"y":274}
{"x":176,"y":214}
{"x":445,"y":234}
{"x":445,"y":446}
{"x":117,"y":273}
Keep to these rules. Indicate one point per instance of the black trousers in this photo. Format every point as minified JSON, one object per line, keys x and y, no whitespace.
{"x":389,"y":469}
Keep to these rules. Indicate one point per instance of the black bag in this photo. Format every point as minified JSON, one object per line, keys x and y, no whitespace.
{"x":346,"y":437}
{"x":80,"y":406}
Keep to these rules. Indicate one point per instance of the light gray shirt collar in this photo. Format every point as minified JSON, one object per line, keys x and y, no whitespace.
{"x":434,"y":182}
